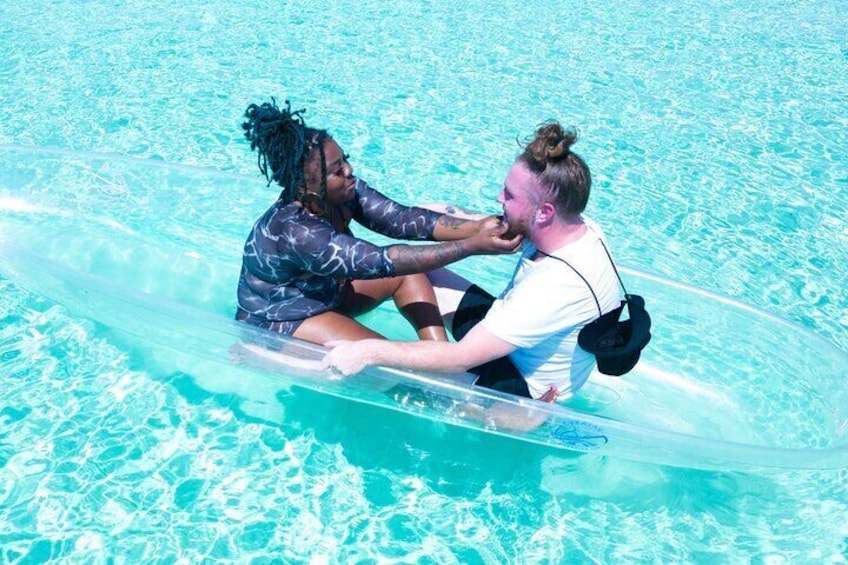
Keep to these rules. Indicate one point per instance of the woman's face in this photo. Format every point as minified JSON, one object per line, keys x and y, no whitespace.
{"x":340,"y":181}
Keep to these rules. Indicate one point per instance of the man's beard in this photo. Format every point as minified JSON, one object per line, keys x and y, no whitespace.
{"x":514,"y":228}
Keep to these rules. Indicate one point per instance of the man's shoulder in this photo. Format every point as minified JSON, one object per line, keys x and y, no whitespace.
{"x":594,"y":227}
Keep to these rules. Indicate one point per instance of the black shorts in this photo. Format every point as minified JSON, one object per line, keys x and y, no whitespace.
{"x":499,"y":374}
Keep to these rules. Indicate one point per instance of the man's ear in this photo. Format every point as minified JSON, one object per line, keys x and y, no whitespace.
{"x":545,"y":212}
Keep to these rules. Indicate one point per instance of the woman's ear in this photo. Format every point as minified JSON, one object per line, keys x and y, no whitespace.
{"x":312,"y":172}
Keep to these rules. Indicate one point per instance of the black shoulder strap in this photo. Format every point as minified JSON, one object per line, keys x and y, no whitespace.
{"x":614,"y":268}
{"x":598,"y":304}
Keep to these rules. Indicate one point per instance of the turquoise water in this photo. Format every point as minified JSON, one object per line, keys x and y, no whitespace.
{"x":716,"y":133}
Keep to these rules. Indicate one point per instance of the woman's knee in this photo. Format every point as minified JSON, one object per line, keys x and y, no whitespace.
{"x":415,"y":279}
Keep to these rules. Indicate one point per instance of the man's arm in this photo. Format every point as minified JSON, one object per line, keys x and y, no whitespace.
{"x":476,"y":348}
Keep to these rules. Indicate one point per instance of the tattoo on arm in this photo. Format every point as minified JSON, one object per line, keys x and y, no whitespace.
{"x":409,"y":259}
{"x":451,"y":222}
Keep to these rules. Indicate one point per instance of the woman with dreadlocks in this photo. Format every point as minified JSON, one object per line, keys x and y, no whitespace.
{"x":305,"y":274}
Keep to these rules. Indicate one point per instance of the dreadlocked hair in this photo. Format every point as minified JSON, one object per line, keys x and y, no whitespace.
{"x":283,"y":142}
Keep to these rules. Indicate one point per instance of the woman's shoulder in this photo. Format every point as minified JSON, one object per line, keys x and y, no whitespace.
{"x":291,"y":217}
{"x":280,"y":212}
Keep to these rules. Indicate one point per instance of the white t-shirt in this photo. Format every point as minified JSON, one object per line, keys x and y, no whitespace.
{"x":546,"y":305}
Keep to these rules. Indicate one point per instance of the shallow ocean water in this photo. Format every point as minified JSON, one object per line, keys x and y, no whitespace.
{"x":716,"y":135}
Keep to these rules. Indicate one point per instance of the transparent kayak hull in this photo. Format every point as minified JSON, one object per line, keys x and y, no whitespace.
{"x":152,"y":252}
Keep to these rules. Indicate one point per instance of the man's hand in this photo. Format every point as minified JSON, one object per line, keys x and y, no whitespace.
{"x":348,"y":357}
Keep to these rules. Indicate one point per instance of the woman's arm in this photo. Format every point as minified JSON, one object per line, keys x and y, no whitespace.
{"x":487,"y":239}
{"x":319,"y":249}
{"x":383,"y":215}
{"x":437,"y":222}
{"x":452,"y":228}
{"x":455,"y":222}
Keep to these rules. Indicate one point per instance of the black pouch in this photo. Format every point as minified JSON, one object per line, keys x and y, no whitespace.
{"x":616,"y":344}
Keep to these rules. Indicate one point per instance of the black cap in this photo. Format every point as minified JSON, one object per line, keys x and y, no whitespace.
{"x":617,"y":345}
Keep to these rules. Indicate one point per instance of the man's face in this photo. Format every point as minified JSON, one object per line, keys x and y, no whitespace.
{"x":519,"y":199}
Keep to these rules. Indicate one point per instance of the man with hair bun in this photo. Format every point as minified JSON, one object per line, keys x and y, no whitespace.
{"x":525,"y":341}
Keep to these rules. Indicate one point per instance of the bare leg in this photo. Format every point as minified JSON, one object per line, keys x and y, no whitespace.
{"x":522,"y":418}
{"x":550,"y":395}
{"x":413,"y":296}
{"x":449,"y":289}
{"x":317,"y":329}
{"x":332,"y":325}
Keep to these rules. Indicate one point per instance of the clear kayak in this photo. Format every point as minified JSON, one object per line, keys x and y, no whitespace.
{"x":151,"y":252}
